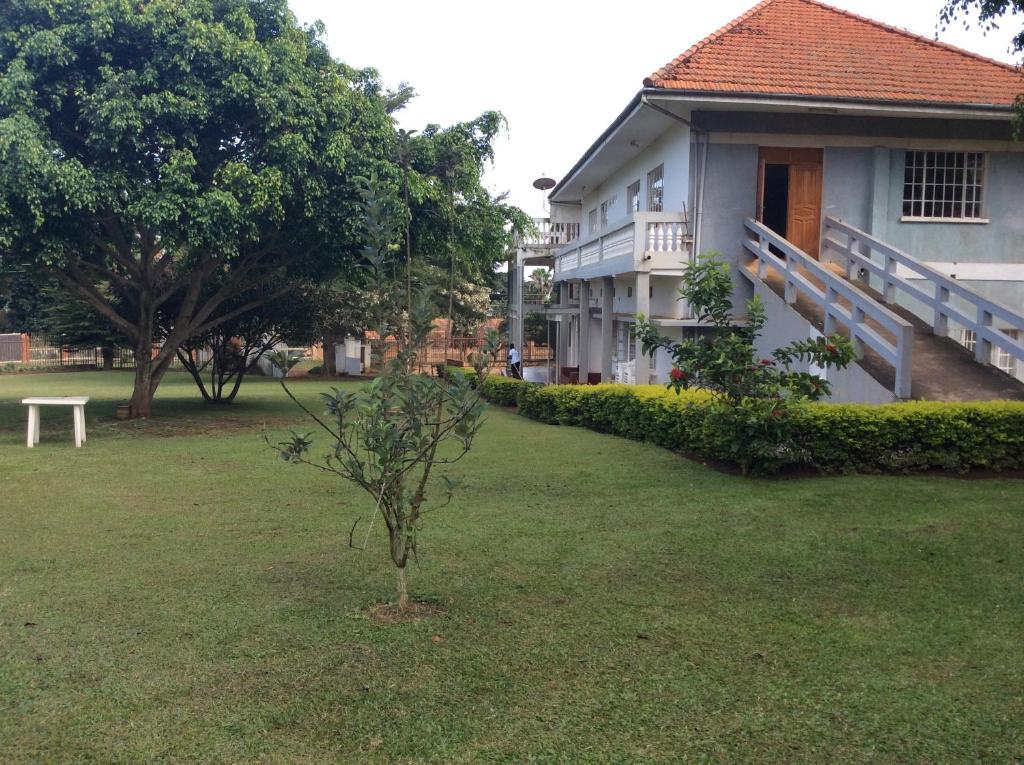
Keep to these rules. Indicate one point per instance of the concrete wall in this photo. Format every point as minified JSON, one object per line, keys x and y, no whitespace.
{"x":672,"y":149}
{"x":784,"y":325}
{"x":730,"y":197}
{"x":847,"y":184}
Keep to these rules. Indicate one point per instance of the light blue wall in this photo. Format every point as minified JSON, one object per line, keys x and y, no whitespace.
{"x":864,"y":186}
{"x":847,"y":185}
{"x":730,"y":197}
{"x":999,"y":241}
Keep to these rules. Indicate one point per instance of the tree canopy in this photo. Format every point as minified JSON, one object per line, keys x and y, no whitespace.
{"x":147,"y":147}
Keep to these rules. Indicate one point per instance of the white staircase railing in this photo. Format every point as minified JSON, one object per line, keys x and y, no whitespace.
{"x":858,"y":250}
{"x":838,"y":299}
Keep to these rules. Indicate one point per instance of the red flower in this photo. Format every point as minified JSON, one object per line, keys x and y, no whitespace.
{"x":766,"y":362}
{"x":830,"y":348}
{"x":678,"y":374}
{"x":778,"y":413}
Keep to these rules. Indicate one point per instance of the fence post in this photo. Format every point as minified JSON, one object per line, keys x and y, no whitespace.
{"x":889,"y":290}
{"x":26,"y":350}
{"x":851,"y":260}
{"x":904,"y":364}
{"x":982,"y":345}
{"x":831,"y":297}
{"x":790,"y":289}
{"x":762,"y":258}
{"x":856,"y":321}
{"x":940,"y":323}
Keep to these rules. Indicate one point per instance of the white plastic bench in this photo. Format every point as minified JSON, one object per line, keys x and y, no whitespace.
{"x":77,"y":402}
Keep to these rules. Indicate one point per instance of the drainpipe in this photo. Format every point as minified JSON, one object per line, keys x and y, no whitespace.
{"x":698,"y":213}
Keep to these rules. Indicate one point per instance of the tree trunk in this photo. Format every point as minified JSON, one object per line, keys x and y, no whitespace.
{"x":141,"y":402}
{"x":403,"y":590}
{"x":329,"y":368}
{"x":108,"y":358}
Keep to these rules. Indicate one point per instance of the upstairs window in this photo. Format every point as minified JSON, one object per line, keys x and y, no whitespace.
{"x":607,"y":206}
{"x":656,"y":189}
{"x":633,"y":197}
{"x":943,"y":185}
{"x":592,"y":221}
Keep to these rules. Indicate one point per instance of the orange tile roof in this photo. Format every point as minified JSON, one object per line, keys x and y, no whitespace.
{"x":807,"y":48}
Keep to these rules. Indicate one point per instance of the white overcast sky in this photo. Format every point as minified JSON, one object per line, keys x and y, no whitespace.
{"x":559,"y":70}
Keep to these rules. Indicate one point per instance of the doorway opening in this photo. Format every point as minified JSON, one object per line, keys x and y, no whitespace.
{"x":776,"y":198}
{"x":789,"y":195}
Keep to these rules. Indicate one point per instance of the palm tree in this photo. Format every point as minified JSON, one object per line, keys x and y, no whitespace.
{"x":541,"y":284}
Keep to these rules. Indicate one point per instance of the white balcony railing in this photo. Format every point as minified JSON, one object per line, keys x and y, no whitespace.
{"x":662,"y":238}
{"x":548,"y":234}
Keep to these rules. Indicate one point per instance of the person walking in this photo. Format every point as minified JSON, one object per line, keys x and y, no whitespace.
{"x":515,"y":365}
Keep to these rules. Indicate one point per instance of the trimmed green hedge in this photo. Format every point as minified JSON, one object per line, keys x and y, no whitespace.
{"x":907,"y":437}
{"x":503,"y":391}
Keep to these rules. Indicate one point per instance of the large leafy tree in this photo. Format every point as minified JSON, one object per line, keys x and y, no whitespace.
{"x":156,"y":146}
{"x":457,"y":227}
{"x":459,"y":231}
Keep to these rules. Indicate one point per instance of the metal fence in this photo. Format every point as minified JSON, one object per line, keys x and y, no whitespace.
{"x":38,"y":351}
{"x":11,"y":348}
{"x":458,"y":351}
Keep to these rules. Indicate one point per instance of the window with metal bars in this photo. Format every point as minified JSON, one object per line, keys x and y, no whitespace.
{"x":592,"y":221}
{"x":943,"y":185}
{"x":656,"y":189}
{"x":633,"y":197}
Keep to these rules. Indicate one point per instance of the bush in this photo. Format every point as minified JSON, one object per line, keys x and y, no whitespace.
{"x":913,"y":436}
{"x":909,"y":437}
{"x":447,"y":372}
{"x":504,"y":391}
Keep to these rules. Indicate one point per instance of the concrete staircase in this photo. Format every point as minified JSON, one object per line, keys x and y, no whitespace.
{"x":938,"y":368}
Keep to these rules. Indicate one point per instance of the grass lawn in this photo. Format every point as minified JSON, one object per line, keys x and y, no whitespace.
{"x":174,"y":593}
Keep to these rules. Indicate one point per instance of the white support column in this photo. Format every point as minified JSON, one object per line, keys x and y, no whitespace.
{"x":643,"y":306}
{"x":32,"y":437}
{"x":583,"y":332}
{"x":607,"y":328}
{"x":79,"y":420}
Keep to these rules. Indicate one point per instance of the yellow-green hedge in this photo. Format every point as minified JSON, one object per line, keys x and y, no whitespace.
{"x":905,"y":437}
{"x":503,"y":391}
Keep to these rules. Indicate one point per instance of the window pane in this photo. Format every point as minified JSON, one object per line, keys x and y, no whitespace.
{"x":943,"y":184}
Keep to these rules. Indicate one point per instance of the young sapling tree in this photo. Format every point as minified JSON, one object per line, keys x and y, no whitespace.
{"x":402,"y":430}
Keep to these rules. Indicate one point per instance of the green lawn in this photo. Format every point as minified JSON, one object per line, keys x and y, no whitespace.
{"x":173,"y":593}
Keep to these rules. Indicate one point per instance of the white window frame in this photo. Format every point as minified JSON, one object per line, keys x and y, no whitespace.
{"x":592,"y":221}
{"x":656,"y":189}
{"x":931,"y":185}
{"x":1002,"y":359}
{"x":633,"y":197}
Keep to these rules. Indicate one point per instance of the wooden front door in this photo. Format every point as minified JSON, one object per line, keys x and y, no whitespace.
{"x":789,"y":183}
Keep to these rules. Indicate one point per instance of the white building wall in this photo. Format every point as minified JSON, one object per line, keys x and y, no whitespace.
{"x":672,"y":149}
{"x":665,"y":300}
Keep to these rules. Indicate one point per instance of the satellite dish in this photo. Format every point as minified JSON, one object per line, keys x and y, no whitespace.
{"x":543,"y":184}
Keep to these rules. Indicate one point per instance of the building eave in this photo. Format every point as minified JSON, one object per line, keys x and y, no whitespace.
{"x":703,"y":99}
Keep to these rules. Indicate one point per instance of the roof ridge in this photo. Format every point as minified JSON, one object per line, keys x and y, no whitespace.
{"x":720,"y":32}
{"x":915,"y":36}
{"x":761,"y":6}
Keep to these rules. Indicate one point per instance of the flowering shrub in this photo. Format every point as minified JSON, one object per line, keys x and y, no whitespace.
{"x":753,"y":398}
